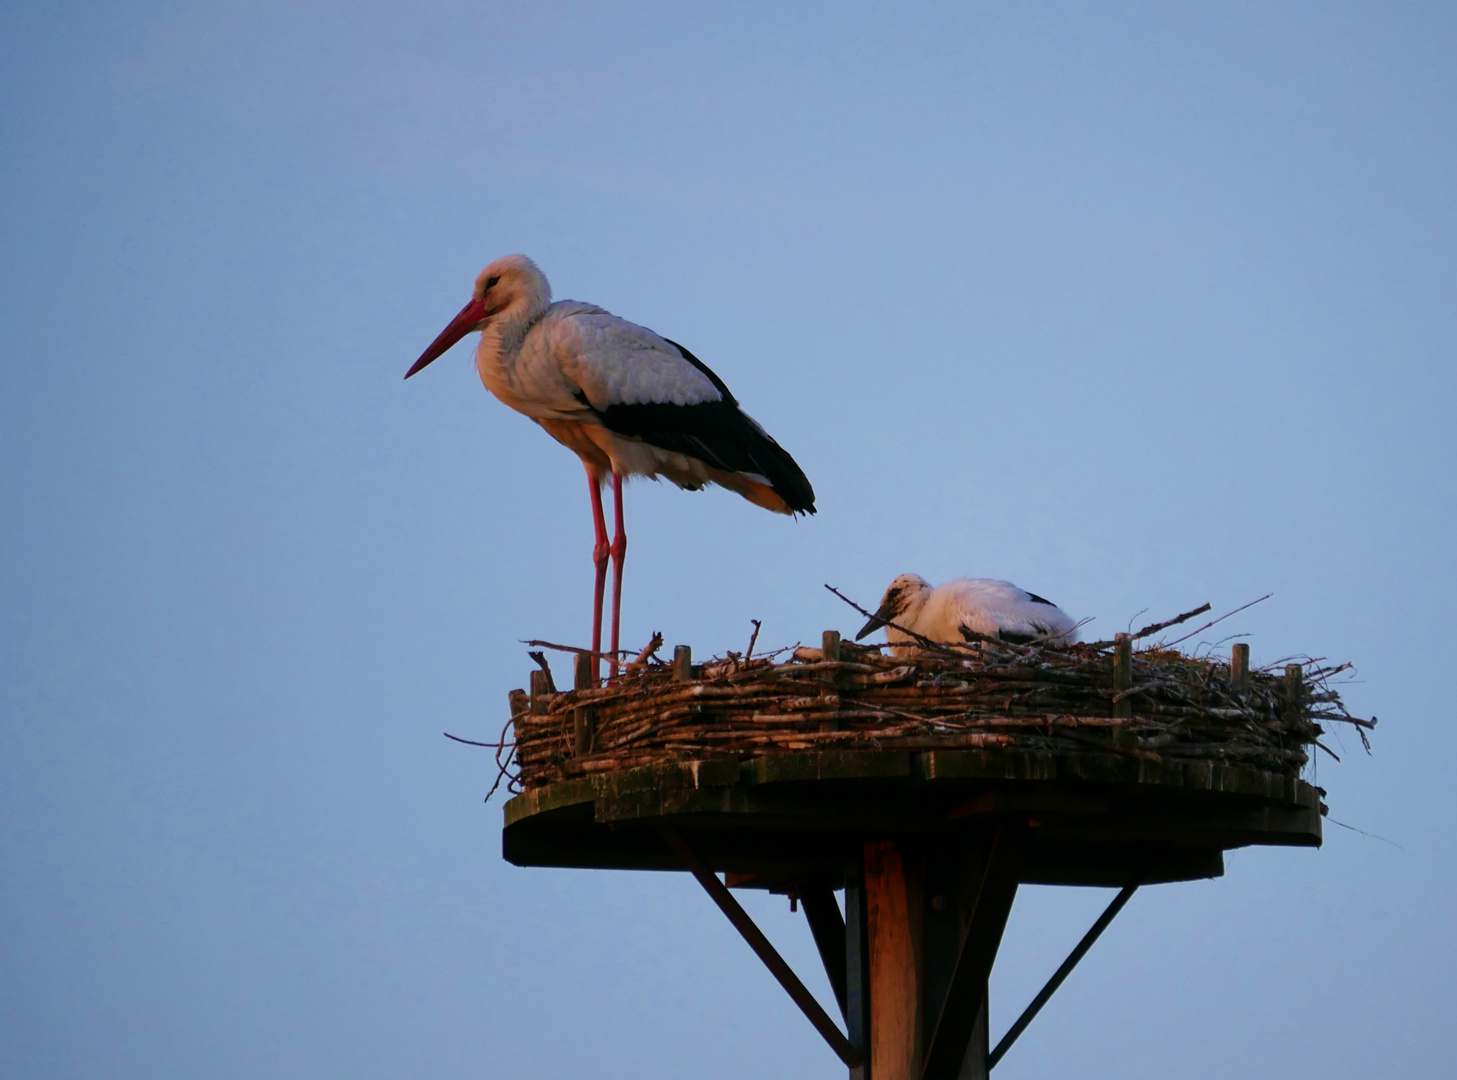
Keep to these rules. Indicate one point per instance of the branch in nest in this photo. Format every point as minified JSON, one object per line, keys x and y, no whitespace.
{"x":472,"y":742}
{"x":573,"y":649}
{"x":1212,"y":622}
{"x":1154,"y":628}
{"x":540,"y":658}
{"x":654,"y":644}
{"x":924,"y":642}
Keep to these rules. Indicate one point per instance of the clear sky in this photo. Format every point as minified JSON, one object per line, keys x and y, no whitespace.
{"x":1136,"y":304}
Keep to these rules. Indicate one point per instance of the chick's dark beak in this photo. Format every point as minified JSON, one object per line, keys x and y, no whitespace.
{"x":880,"y":619}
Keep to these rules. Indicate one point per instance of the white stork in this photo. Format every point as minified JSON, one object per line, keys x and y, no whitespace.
{"x":981,"y":605}
{"x":628,"y":402}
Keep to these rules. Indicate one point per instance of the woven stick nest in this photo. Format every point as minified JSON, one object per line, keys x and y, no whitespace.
{"x":986,"y":693}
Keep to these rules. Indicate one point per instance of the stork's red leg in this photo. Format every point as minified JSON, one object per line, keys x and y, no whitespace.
{"x":599,"y":559}
{"x":619,"y":556}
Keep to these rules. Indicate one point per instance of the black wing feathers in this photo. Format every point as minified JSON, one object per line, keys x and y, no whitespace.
{"x":718,"y":384}
{"x":716,"y":433}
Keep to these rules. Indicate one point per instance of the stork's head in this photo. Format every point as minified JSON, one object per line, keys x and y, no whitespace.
{"x":901,"y":603}
{"x":511,"y":289}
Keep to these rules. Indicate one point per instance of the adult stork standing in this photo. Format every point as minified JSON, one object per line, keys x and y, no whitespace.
{"x":984,"y":606}
{"x":628,"y":402}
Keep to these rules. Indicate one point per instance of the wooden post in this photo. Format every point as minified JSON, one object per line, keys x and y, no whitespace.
{"x":1122,"y":680}
{"x":682,"y":663}
{"x":586,"y":678}
{"x":582,"y":730}
{"x":1122,"y":672}
{"x":893,"y":930}
{"x":830,"y":651}
{"x":540,"y":681}
{"x":830,"y":645}
{"x":1239,"y":667}
{"x":1294,"y":691}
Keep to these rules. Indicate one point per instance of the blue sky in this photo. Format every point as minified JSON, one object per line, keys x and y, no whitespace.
{"x":1138,"y":305}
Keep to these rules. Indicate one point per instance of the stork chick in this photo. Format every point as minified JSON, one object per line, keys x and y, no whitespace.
{"x":983,"y":606}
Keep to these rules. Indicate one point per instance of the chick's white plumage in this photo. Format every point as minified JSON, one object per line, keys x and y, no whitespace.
{"x":984,"y":606}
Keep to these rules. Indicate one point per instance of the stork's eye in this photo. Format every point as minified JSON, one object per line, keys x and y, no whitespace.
{"x":491,"y":283}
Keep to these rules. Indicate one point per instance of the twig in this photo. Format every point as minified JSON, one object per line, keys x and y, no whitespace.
{"x":749,"y":654}
{"x":654,"y":644}
{"x":1212,"y":622}
{"x":573,"y":649}
{"x":540,"y":658}
{"x":925,"y":642}
{"x":1363,"y":832}
{"x":502,"y":767}
{"x":1154,"y":628}
{"x":472,"y":742}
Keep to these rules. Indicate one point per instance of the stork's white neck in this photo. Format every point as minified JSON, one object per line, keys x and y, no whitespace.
{"x":503,"y":340}
{"x":908,"y":616}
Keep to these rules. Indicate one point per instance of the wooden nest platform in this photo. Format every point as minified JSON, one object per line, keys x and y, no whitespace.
{"x":928,"y":787}
{"x":1049,"y":700}
{"x":1189,"y":754}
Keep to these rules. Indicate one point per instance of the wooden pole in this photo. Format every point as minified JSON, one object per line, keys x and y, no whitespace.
{"x":1239,"y":667}
{"x":1122,"y":672}
{"x":829,"y":651}
{"x":540,"y":683}
{"x":1294,"y":691}
{"x":830,"y":645}
{"x":893,"y":909}
{"x":682,"y":663}
{"x":582,"y":716}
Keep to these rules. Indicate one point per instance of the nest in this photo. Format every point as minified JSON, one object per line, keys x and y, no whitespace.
{"x":987,"y":693}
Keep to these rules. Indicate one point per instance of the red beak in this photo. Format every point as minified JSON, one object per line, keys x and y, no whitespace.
{"x":469,"y":318}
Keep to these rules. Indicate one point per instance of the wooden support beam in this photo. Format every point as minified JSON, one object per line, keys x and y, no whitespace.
{"x":1063,"y":971}
{"x":857,"y":967}
{"x":764,"y":950}
{"x":966,"y":995}
{"x":893,"y":918}
{"x":828,"y":927}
